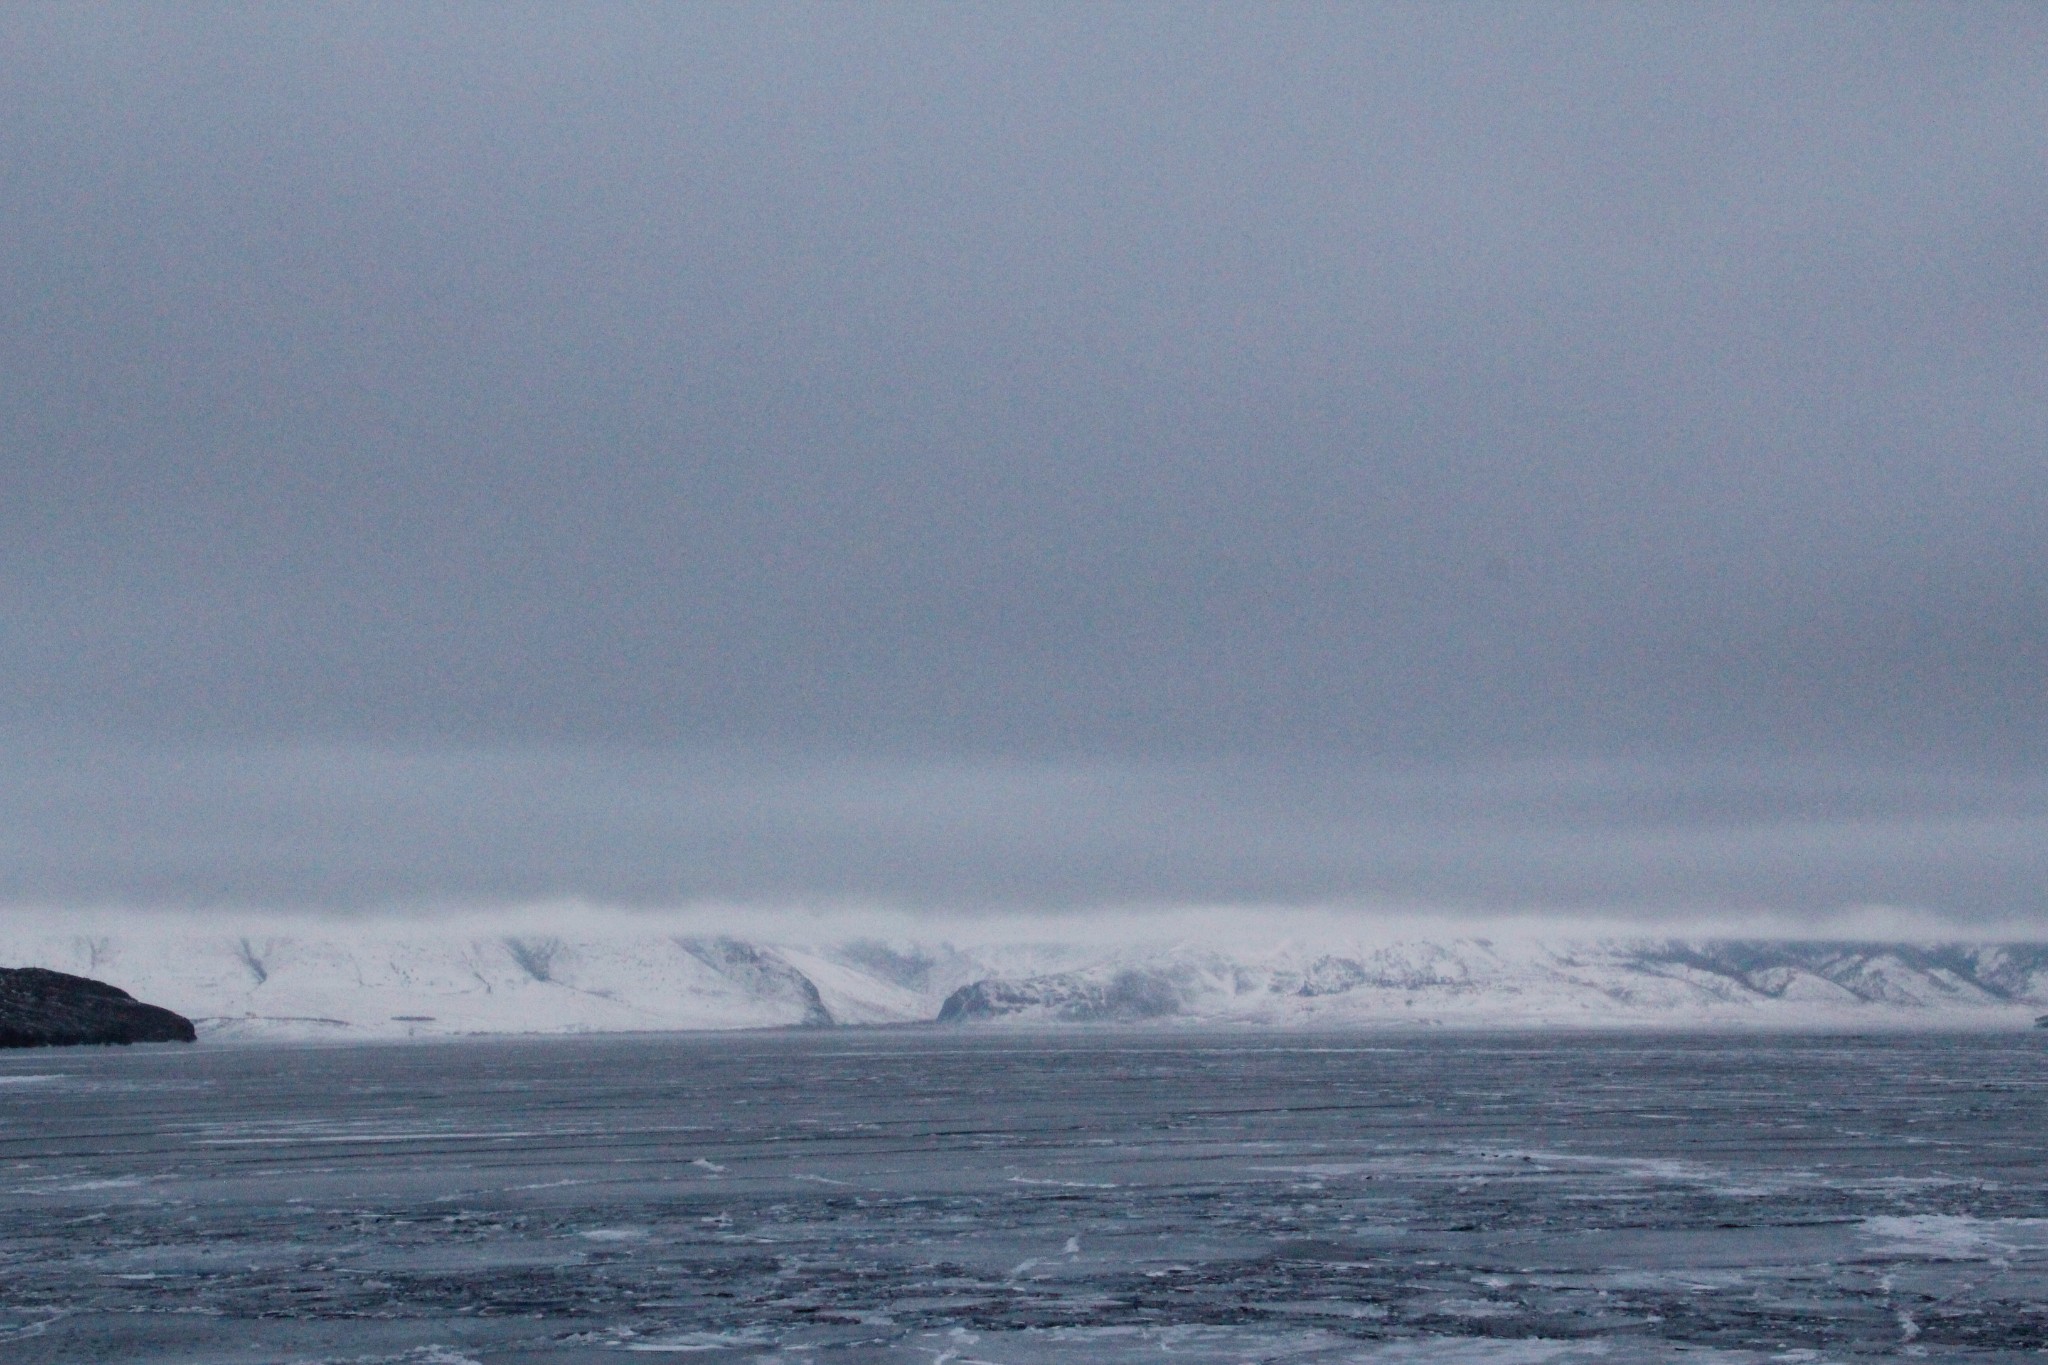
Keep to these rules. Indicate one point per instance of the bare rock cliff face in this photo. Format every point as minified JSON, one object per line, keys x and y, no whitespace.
{"x":42,"y":1008}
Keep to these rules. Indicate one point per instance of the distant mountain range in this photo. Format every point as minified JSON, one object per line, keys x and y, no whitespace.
{"x":393,"y":978}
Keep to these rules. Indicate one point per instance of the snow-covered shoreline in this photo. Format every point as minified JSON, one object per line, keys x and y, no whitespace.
{"x":395,"y":978}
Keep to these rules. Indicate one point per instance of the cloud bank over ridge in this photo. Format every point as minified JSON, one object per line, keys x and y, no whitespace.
{"x":311,"y":827}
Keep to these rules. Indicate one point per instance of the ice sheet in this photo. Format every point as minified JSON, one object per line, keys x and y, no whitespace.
{"x":868,"y":1196}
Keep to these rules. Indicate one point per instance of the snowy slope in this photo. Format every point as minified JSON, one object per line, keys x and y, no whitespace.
{"x":384,"y":978}
{"x":1481,"y":982}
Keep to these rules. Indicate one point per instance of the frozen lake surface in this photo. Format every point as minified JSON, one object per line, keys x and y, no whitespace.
{"x":947,"y":1197}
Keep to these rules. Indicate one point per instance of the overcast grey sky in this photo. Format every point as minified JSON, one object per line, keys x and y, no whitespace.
{"x":1535,"y":456}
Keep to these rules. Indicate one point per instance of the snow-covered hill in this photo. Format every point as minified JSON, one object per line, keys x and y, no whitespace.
{"x":1560,"y":984}
{"x":384,"y":978}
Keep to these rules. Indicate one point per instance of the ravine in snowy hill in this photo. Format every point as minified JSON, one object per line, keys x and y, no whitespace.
{"x":42,"y":1008}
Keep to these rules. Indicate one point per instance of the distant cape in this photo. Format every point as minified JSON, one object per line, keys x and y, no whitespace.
{"x":42,"y":1008}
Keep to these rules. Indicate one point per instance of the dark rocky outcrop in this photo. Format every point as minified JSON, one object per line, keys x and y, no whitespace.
{"x":1074,"y":998}
{"x":42,"y":1008}
{"x":761,"y":973}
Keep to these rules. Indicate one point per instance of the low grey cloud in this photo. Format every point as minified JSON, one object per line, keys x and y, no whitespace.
{"x":308,"y":826}
{"x":1020,"y":456}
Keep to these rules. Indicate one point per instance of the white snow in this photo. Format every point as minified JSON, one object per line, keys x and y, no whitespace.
{"x":1956,"y":1237}
{"x":389,"y":977}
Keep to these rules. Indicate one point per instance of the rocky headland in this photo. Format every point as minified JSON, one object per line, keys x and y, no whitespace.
{"x":42,"y":1008}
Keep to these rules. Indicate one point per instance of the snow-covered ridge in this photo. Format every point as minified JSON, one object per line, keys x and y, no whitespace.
{"x":398,"y":978}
